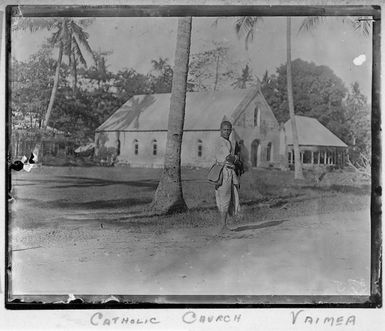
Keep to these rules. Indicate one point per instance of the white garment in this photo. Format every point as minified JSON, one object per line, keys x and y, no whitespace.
{"x":226,"y":195}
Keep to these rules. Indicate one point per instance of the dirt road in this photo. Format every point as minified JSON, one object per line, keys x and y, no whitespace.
{"x":67,"y":239}
{"x":300,"y":256}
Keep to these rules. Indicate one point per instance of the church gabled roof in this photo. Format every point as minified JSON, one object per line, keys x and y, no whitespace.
{"x":204,"y":111}
{"x":312,"y":133}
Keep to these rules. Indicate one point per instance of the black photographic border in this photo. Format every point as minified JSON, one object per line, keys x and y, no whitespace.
{"x":374,"y":300}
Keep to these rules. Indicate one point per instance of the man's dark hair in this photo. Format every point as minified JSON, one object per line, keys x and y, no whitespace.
{"x":226,"y":123}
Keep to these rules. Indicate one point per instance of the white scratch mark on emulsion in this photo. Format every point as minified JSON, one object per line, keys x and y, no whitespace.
{"x":20,"y":12}
{"x":360,"y":60}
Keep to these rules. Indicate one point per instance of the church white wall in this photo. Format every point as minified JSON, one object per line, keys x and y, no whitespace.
{"x":266,"y":131}
{"x":190,"y":156}
{"x":146,"y":157}
{"x":145,"y":149}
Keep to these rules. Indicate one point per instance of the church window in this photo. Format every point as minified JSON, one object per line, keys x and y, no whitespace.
{"x":257,"y":116}
{"x":136,"y":147}
{"x":200,"y":148}
{"x":154,"y":147}
{"x":269,"y":151}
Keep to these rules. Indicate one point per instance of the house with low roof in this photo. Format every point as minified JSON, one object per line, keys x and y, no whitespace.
{"x":138,"y":130}
{"x":318,"y":145}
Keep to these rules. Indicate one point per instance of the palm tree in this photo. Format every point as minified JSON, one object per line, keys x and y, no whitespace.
{"x":160,"y":76}
{"x":169,"y":195}
{"x":298,"y":173}
{"x":99,"y":72}
{"x":245,"y":27}
{"x":242,"y":80}
{"x":68,"y":36}
{"x":71,"y":38}
{"x":160,"y":66}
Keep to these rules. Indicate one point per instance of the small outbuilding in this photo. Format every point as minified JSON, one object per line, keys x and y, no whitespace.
{"x":319,"y":147}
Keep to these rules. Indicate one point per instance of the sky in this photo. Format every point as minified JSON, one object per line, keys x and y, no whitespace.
{"x":134,"y":42}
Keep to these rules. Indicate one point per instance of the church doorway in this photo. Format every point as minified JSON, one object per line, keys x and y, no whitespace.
{"x":255,"y":153}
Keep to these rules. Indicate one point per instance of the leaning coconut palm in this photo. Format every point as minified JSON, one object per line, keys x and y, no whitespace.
{"x":169,"y":195}
{"x":71,"y":38}
{"x":68,"y":35}
{"x":245,"y":27}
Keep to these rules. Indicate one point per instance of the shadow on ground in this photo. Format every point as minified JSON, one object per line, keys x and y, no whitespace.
{"x":91,"y":205}
{"x":258,"y":226}
{"x":84,"y":182}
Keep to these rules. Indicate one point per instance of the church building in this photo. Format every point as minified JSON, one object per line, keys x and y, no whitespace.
{"x":137,"y":132}
{"x":139,"y":128}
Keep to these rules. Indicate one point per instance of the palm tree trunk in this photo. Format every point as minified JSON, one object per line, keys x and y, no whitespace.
{"x":169,"y":195}
{"x":54,"y":88}
{"x":75,"y":74}
{"x":216,"y":74}
{"x":298,"y":174}
{"x":51,"y":101}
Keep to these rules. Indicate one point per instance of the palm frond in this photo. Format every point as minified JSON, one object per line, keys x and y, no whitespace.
{"x":34,"y":24}
{"x":56,"y":36}
{"x":67,"y":42}
{"x":78,"y":52}
{"x":69,"y":54}
{"x":82,"y":38}
{"x":65,"y":36}
{"x":245,"y":27}
{"x":78,"y":29}
{"x":361,"y":24}
{"x":249,"y":38}
{"x":310,"y":23}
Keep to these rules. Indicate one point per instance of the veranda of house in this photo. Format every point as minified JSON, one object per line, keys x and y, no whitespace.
{"x":319,"y":147}
{"x":318,"y":156}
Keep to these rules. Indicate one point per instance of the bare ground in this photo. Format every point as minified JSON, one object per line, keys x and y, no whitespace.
{"x":71,"y":231}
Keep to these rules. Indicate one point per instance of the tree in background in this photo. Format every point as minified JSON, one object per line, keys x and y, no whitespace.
{"x":357,"y":125}
{"x":245,"y":78}
{"x":362,"y":25}
{"x":68,"y":36}
{"x":74,"y":38}
{"x":317,"y":91}
{"x":269,"y":87}
{"x":211,"y":69}
{"x":160,"y":77}
{"x":99,"y":72}
{"x":129,"y":82}
{"x":31,"y":84}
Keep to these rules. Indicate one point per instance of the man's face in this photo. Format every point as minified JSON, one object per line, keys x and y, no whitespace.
{"x":226,"y":131}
